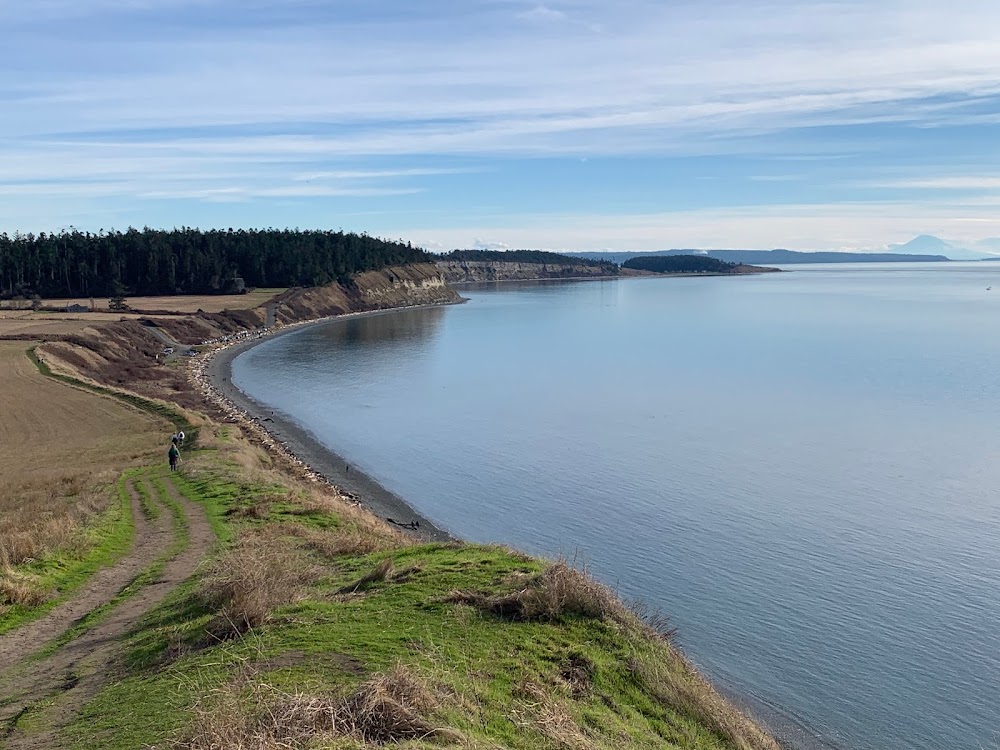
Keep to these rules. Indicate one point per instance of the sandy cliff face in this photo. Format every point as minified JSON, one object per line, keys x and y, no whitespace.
{"x":128,"y":354}
{"x":396,"y":286}
{"x":481,"y":270}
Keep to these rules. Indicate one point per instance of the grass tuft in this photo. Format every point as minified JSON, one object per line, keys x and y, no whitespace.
{"x":558,"y":591}
{"x":378,"y":574}
{"x":252,"y":579}
{"x":389,"y":708}
{"x":685,"y":690}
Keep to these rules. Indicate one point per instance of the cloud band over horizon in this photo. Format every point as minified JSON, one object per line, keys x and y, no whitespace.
{"x":571,"y":125}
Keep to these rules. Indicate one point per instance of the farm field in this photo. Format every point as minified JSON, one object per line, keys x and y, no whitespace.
{"x":50,"y":427}
{"x":187,"y":303}
{"x":61,"y":451}
{"x":29,"y":323}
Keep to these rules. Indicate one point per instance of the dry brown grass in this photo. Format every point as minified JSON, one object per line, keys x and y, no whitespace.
{"x":537,"y":708}
{"x":388,"y":708}
{"x":51,"y":427}
{"x":347,"y":539}
{"x":19,"y":589}
{"x":61,"y":450}
{"x":187,"y":303}
{"x":256,"y":576}
{"x":558,"y":591}
{"x":677,"y":684}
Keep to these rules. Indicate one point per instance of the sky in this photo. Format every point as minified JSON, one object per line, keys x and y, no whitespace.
{"x":568,"y":125}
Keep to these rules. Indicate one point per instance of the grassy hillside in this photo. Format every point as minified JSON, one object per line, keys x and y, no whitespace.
{"x":240,"y":605}
{"x":318,"y":626}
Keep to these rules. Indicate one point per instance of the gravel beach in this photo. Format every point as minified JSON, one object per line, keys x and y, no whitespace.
{"x":214,"y":376}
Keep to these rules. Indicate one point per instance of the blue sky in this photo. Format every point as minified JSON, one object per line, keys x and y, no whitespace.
{"x":571,"y":124}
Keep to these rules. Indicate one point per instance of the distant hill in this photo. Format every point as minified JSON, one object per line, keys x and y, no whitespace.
{"x":770,"y":257}
{"x":690,"y":264}
{"x":925,"y":244}
{"x":985,"y":249}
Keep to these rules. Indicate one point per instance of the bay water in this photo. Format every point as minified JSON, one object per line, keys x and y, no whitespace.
{"x":801,"y":469}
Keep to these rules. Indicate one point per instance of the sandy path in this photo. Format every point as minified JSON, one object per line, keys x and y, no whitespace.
{"x":76,"y":672}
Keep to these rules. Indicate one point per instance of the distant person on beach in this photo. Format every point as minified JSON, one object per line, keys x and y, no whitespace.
{"x":174,"y":455}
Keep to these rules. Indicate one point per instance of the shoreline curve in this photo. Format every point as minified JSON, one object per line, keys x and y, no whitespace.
{"x":300,"y":445}
{"x":325,"y":464}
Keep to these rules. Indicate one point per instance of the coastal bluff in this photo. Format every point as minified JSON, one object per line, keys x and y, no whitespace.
{"x":472,"y":271}
{"x":394,"y":286}
{"x":128,"y":353}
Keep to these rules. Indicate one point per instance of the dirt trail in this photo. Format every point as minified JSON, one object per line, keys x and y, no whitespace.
{"x":75,"y":672}
{"x":151,"y":539}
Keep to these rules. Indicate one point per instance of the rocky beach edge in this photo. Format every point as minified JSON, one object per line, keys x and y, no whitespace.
{"x":279,"y":433}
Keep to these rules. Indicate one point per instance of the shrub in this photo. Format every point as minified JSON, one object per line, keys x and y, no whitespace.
{"x":388,"y":708}
{"x":558,"y":591}
{"x":252,"y":579}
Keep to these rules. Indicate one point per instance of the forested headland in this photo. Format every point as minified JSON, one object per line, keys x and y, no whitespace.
{"x":680,"y":264}
{"x":187,"y":261}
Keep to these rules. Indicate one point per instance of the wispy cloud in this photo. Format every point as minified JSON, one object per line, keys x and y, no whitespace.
{"x":970,"y":182}
{"x":542,"y":14}
{"x":209,"y":100}
{"x":799,"y":227}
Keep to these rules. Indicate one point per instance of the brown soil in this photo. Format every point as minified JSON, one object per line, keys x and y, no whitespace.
{"x":75,"y":672}
{"x":47,"y":426}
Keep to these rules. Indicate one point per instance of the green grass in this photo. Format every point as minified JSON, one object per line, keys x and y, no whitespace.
{"x":108,"y":538}
{"x":490,"y":670}
{"x":144,"y":578}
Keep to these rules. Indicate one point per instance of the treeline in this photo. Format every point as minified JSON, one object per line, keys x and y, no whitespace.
{"x":526,"y":256}
{"x":679,"y":264}
{"x":187,"y":261}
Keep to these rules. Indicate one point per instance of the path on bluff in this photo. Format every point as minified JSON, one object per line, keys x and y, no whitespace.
{"x":52,"y":688}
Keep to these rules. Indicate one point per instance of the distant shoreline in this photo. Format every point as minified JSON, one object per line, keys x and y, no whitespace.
{"x":631,"y":275}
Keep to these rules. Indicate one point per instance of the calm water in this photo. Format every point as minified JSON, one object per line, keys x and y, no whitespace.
{"x":801,"y":468}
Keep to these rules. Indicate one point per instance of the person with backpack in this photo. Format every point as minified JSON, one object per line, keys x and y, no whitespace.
{"x":174,"y":455}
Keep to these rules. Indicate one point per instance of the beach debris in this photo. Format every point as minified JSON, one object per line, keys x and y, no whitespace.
{"x":413,"y":525}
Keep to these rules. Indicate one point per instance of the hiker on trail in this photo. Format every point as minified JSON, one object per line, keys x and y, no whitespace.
{"x":174,"y":455}
{"x":180,"y":438}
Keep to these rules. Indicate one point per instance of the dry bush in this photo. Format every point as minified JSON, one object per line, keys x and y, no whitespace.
{"x":257,"y":575}
{"x":388,"y":708}
{"x":258,"y":508}
{"x":536,"y":708}
{"x":677,"y":684}
{"x":22,"y":590}
{"x":559,"y":590}
{"x":378,"y":574}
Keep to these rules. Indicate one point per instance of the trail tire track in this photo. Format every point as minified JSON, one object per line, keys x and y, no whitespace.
{"x":78,"y":670}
